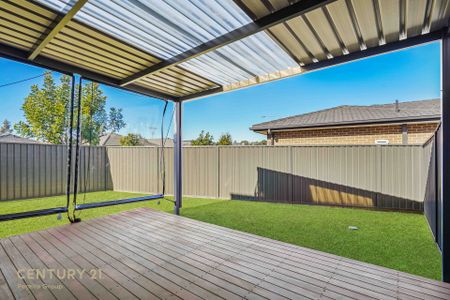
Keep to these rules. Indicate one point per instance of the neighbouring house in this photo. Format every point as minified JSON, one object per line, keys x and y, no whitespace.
{"x":396,"y":123}
{"x":12,"y":138}
{"x":113,"y":139}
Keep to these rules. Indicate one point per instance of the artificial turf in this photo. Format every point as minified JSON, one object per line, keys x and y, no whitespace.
{"x":396,"y":240}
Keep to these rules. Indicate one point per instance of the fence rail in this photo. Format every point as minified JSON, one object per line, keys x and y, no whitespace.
{"x":391,"y":177}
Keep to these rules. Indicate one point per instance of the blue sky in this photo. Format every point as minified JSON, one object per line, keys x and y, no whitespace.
{"x":406,"y":75}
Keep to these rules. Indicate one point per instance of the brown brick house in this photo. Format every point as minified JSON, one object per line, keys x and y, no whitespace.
{"x":397,"y":123}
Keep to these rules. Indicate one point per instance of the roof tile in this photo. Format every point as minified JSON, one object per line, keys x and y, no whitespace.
{"x":356,"y":114}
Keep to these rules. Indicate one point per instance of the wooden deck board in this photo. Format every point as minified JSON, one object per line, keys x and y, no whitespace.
{"x":16,"y":284}
{"x":5,"y":291}
{"x":146,"y":254}
{"x":36,"y":263}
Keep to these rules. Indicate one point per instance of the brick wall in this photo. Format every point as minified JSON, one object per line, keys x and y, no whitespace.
{"x":420,"y":133}
{"x":417,"y":134}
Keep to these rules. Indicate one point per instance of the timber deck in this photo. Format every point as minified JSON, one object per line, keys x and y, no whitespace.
{"x":146,"y":254}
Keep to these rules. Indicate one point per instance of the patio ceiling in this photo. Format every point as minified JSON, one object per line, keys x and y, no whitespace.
{"x":181,"y":50}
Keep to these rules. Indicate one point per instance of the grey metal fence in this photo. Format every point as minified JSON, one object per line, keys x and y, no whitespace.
{"x":391,"y":177}
{"x":35,"y":170}
{"x":433,"y":201}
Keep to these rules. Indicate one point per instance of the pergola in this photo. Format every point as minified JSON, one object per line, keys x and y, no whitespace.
{"x":181,"y":50}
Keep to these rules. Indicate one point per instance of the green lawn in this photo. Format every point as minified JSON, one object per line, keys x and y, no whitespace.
{"x":400,"y":241}
{"x":32,"y":224}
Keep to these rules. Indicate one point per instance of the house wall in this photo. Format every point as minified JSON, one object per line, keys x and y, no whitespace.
{"x":417,"y":134}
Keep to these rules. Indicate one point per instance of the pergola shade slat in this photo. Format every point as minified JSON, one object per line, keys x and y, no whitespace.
{"x":76,"y":46}
{"x":83,"y":41}
{"x":76,"y":60}
{"x":390,"y":18}
{"x":35,"y":8}
{"x":342,"y":21}
{"x":24,"y":10}
{"x":155,"y":79}
{"x":366,"y":20}
{"x":178,"y":81}
{"x":33,"y":35}
{"x":88,"y":61}
{"x":14,"y":41}
{"x":161,"y":87}
{"x":188,"y":77}
{"x":19,"y":35}
{"x":198,"y":79}
{"x":300,"y":29}
{"x":76,"y":27}
{"x":440,"y":15}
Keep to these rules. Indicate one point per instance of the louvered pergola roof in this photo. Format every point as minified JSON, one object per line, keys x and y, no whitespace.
{"x":186,"y":49}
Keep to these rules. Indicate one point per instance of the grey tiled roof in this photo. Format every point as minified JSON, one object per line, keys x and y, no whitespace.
{"x":11,"y":138}
{"x":346,"y":114}
{"x":113,"y":139}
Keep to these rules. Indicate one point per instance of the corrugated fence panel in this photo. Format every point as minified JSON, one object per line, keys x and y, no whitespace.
{"x":200,"y":171}
{"x":133,"y":169}
{"x":335,"y":175}
{"x":403,"y":178}
{"x":92,"y":169}
{"x":392,"y":177}
{"x":168,"y":154}
{"x":255,"y":173}
{"x":431,"y":188}
{"x":34,"y":170}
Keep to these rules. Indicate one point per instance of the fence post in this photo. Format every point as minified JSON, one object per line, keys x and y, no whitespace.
{"x":436,"y":186}
{"x":158,"y":168}
{"x":218,"y":172}
{"x":445,"y":157}
{"x":105,"y":165}
{"x":291,"y":175}
{"x":380,"y":176}
{"x":177,"y":157}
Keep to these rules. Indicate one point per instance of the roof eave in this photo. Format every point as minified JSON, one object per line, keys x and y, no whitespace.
{"x":342,"y":124}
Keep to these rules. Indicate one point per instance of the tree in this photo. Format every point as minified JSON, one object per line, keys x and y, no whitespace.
{"x":131,"y":139}
{"x":204,"y":139}
{"x":115,"y":119}
{"x":225,"y":139}
{"x":46,"y":110}
{"x":94,"y":119}
{"x":6,"y":127}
